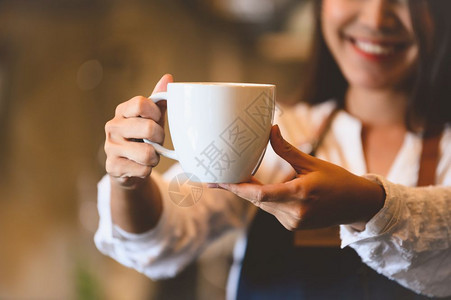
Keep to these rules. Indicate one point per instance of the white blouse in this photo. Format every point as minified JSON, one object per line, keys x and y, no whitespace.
{"x":409,"y":240}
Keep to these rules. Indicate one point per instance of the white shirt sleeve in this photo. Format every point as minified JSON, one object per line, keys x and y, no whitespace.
{"x":409,"y":240}
{"x":180,"y":234}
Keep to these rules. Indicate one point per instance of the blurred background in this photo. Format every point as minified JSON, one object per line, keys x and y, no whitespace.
{"x":64,"y":67}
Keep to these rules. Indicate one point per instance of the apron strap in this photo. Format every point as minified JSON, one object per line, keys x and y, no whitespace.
{"x":429,"y":156}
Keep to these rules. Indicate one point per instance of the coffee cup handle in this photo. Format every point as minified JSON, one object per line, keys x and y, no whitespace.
{"x":160,"y":149}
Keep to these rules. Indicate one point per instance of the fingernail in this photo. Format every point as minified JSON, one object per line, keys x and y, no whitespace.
{"x":278,"y":130}
{"x":212,"y":185}
{"x":275,"y":129}
{"x":223,"y":186}
{"x":275,"y":133}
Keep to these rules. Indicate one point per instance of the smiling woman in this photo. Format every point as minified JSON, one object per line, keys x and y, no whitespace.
{"x":406,"y":40}
{"x":373,"y":42}
{"x":378,"y":103}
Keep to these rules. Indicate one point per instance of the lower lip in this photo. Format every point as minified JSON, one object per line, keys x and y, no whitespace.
{"x":373,"y":57}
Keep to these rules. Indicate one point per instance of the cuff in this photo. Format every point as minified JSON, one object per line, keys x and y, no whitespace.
{"x":382,"y":222}
{"x":110,"y":232}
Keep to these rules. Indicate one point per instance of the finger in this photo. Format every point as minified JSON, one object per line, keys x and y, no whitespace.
{"x":271,"y":209}
{"x":290,"y":207}
{"x":141,"y":153}
{"x":120,"y":167}
{"x":162,"y":87}
{"x":162,"y":84}
{"x":291,"y":201}
{"x":285,"y":219}
{"x":218,"y":185}
{"x":138,"y":128}
{"x":139,"y":106}
{"x":258,"y":193}
{"x":300,"y":161}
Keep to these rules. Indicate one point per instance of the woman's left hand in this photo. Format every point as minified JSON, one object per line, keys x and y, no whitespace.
{"x":321,"y":194}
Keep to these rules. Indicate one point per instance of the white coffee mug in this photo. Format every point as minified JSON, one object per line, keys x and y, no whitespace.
{"x":219,"y":130}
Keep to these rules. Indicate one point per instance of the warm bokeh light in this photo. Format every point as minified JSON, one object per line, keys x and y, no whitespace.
{"x":64,"y":67}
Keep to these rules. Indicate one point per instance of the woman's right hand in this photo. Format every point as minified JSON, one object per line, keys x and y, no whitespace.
{"x":129,"y":160}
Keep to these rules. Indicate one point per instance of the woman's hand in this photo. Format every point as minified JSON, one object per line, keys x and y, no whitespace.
{"x":129,"y":160}
{"x":322,"y":194}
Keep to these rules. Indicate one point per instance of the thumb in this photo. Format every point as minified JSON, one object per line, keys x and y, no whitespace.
{"x":300,"y":161}
{"x":162,"y":86}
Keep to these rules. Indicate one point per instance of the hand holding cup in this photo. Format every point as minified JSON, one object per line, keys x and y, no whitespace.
{"x":128,"y":159}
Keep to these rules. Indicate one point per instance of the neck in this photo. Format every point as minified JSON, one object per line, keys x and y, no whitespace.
{"x":377,"y":107}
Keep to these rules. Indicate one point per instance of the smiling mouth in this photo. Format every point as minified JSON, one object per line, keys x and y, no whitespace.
{"x":377,"y":49}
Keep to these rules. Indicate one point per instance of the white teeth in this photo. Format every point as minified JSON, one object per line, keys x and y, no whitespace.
{"x":372,"y":48}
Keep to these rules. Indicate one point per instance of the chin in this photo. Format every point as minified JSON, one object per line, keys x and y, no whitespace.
{"x":373,"y":82}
